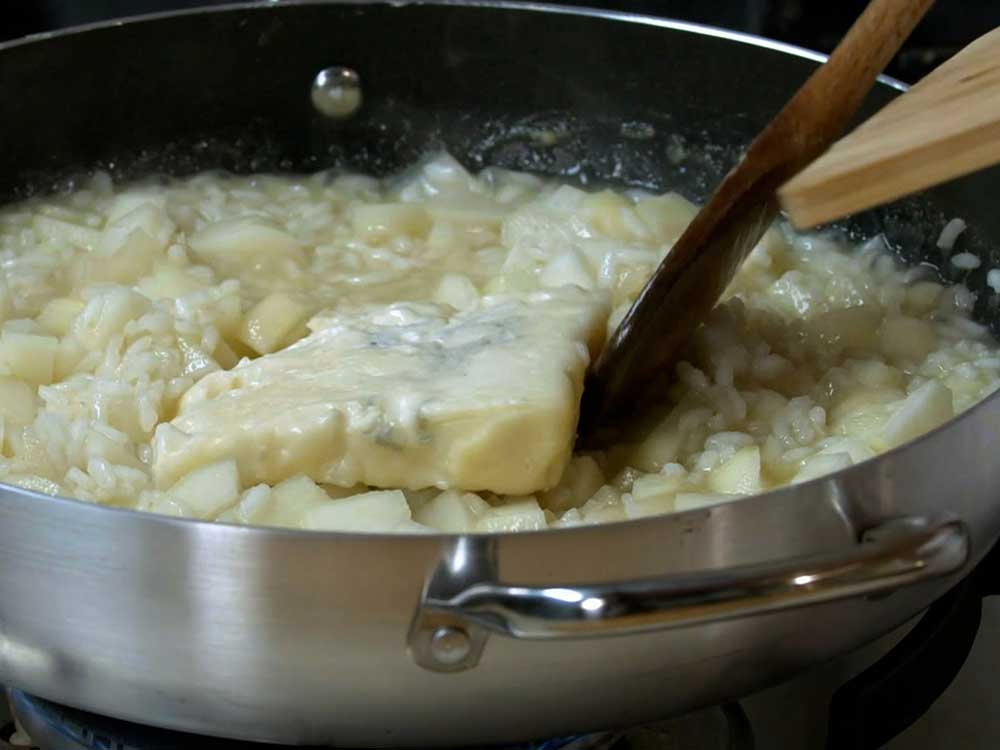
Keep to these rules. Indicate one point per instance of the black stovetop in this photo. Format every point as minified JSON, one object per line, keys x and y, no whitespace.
{"x":816,"y":24}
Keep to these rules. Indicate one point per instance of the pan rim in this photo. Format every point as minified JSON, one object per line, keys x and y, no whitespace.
{"x":82,"y":506}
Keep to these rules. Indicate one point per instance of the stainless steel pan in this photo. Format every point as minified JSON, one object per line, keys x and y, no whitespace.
{"x":368,"y":640}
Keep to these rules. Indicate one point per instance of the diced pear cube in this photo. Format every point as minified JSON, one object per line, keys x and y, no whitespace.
{"x":146,"y":218}
{"x":209,"y":490}
{"x":666,"y":216}
{"x":378,"y":222}
{"x":471,"y":210}
{"x":654,"y":506}
{"x":272,"y":321}
{"x":848,"y":328}
{"x":58,"y":315}
{"x":78,"y":235}
{"x":519,"y":515}
{"x":650,"y":487}
{"x":660,"y":447}
{"x":288,"y":503}
{"x":862,"y":411}
{"x":923,"y":410}
{"x":580,"y":480}
{"x":416,"y":498}
{"x":857,"y":450}
{"x":453,"y":512}
{"x":29,"y":356}
{"x":566,"y":198}
{"x":614,"y":217}
{"x":446,"y":236}
{"x":18,"y":401}
{"x":169,"y":283}
{"x":570,"y":518}
{"x":126,"y":203}
{"x":694,"y":500}
{"x":923,"y":296}
{"x":225,"y":356}
{"x":71,"y":352}
{"x":382,"y":510}
{"x":126,"y":255}
{"x":739,"y":474}
{"x":568,"y":267}
{"x":458,"y":291}
{"x":104,"y":316}
{"x":822,"y":464}
{"x":604,"y":507}
{"x":232,"y":244}
{"x":907,"y":338}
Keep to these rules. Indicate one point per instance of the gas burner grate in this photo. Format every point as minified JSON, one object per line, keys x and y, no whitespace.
{"x":55,"y":727}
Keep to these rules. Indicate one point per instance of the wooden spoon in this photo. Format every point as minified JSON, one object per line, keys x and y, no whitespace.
{"x":945,"y":126}
{"x":692,"y":277}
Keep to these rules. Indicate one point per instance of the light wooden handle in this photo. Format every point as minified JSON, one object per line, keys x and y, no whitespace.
{"x":946,"y":126}
{"x":692,"y":277}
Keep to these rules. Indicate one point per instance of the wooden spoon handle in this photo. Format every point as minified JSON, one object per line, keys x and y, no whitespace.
{"x":946,"y":126}
{"x":694,"y":274}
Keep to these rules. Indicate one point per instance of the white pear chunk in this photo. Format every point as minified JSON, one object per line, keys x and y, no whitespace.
{"x":272,"y":322}
{"x":370,"y":511}
{"x":29,"y":356}
{"x":287,"y":503}
{"x":208,"y":490}
{"x":378,"y":222}
{"x":458,"y":291}
{"x":927,"y":407}
{"x":18,"y":402}
{"x":666,"y":216}
{"x":520,"y":515}
{"x":582,"y":478}
{"x":83,"y":237}
{"x":233,"y":244}
{"x":453,"y":512}
{"x":58,"y":315}
{"x":908,"y":339}
{"x":169,"y":283}
{"x":568,"y":267}
{"x":653,"y":499}
{"x":739,"y":474}
{"x":822,"y":464}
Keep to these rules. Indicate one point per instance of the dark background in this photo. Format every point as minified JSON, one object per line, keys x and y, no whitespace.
{"x":816,"y":24}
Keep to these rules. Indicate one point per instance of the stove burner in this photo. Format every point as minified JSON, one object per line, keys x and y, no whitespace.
{"x":54,"y":727}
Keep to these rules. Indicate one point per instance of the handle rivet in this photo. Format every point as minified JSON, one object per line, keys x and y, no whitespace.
{"x":336,"y":92}
{"x":450,"y":645}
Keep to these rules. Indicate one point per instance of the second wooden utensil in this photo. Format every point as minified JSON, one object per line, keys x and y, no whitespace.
{"x":945,"y":126}
{"x":692,"y":277}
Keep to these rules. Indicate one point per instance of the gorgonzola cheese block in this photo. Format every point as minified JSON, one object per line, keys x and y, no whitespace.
{"x":410,"y":395}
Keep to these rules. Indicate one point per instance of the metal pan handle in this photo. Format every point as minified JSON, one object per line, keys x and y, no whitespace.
{"x":461,"y":607}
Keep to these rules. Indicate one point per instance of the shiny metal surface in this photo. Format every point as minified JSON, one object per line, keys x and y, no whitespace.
{"x":336,"y":92}
{"x":895,"y":554}
{"x":296,"y":637}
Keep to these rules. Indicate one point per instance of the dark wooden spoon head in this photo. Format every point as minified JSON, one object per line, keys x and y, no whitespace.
{"x":694,"y":274}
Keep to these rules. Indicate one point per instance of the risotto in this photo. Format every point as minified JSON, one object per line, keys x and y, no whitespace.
{"x":338,"y":352}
